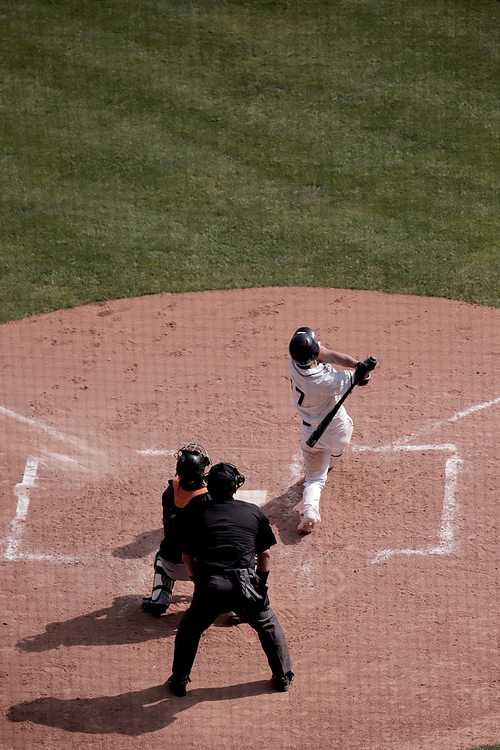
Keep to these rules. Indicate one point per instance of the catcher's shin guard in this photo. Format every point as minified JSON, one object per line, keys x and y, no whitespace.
{"x":161,"y":594}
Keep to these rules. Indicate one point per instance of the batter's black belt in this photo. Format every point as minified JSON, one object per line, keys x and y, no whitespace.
{"x":306,"y":424}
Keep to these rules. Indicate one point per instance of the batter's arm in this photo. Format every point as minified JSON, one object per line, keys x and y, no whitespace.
{"x":331,"y":357}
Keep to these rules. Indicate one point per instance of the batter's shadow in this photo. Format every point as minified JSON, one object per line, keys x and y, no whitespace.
{"x":123,"y":622}
{"x":132,"y":714}
{"x":283,"y":512}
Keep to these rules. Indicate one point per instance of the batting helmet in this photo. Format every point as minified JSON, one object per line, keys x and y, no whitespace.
{"x":304,"y":347}
{"x":192,"y":460}
{"x":223,"y":480}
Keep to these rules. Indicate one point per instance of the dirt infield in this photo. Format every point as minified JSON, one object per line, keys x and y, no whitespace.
{"x":390,"y":607}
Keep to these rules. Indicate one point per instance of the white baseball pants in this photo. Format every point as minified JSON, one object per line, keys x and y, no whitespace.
{"x":318,"y":460}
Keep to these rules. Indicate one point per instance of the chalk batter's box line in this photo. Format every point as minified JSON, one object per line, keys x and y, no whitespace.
{"x":48,"y":430}
{"x":452,"y":468}
{"x":22,"y":492}
{"x":446,"y":534}
{"x":450,"y":506}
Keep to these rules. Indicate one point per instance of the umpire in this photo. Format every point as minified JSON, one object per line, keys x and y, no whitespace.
{"x":220,"y":541}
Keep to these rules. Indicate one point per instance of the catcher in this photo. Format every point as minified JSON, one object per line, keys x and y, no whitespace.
{"x":188,"y":489}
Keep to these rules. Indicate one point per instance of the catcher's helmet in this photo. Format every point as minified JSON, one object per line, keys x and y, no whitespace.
{"x":304,"y":347}
{"x":223,"y":480}
{"x":192,"y":460}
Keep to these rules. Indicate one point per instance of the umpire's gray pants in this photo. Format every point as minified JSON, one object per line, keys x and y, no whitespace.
{"x":212,"y":598}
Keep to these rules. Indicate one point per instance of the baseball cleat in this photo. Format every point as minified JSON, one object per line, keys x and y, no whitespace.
{"x":157,"y":610}
{"x":282,"y":684}
{"x":307,"y":523}
{"x":178,"y":685}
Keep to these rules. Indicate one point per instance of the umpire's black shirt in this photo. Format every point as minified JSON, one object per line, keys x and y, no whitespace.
{"x":226,"y":534}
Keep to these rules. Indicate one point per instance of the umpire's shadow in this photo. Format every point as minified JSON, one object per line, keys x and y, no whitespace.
{"x":132,"y":714}
{"x":283,"y":512}
{"x":123,"y":622}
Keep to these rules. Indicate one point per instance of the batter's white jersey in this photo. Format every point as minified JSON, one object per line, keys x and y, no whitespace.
{"x":316,"y":390}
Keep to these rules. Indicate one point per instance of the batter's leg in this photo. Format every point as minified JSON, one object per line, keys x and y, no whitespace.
{"x":316,"y":462}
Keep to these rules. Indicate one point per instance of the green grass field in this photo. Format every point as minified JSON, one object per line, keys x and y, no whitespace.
{"x":174,"y":146}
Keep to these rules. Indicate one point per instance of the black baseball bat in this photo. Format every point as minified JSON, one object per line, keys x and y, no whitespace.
{"x":362,"y":370}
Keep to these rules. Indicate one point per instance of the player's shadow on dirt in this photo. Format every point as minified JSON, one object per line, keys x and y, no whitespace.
{"x":283,"y":512}
{"x":131,"y":714}
{"x":123,"y":622}
{"x":142,"y":546}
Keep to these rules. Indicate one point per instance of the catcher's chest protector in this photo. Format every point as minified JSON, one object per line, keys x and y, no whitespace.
{"x":182,"y":498}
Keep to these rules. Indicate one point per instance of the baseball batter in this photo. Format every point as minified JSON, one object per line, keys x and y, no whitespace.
{"x":317,"y":387}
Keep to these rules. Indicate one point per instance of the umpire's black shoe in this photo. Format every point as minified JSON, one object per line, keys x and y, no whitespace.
{"x":283,"y":683}
{"x":178,"y":685}
{"x":152,"y":608}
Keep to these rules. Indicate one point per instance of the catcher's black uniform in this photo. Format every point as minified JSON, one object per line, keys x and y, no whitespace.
{"x":175,"y":502}
{"x":168,"y":566}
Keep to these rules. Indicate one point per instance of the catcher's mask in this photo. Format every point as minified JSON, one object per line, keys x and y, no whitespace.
{"x":223,"y":480}
{"x":192,"y":460}
{"x":304,"y":347}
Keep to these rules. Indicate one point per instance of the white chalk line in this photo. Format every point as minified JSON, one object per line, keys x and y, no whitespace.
{"x":156,"y":452}
{"x":453,"y":464}
{"x":48,"y":430}
{"x":22,"y":492}
{"x":450,"y":507}
{"x":399,"y":447}
{"x":459,"y":415}
{"x":447,"y":531}
{"x":452,"y":467}
{"x":63,"y":459}
{"x":42,"y":558}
